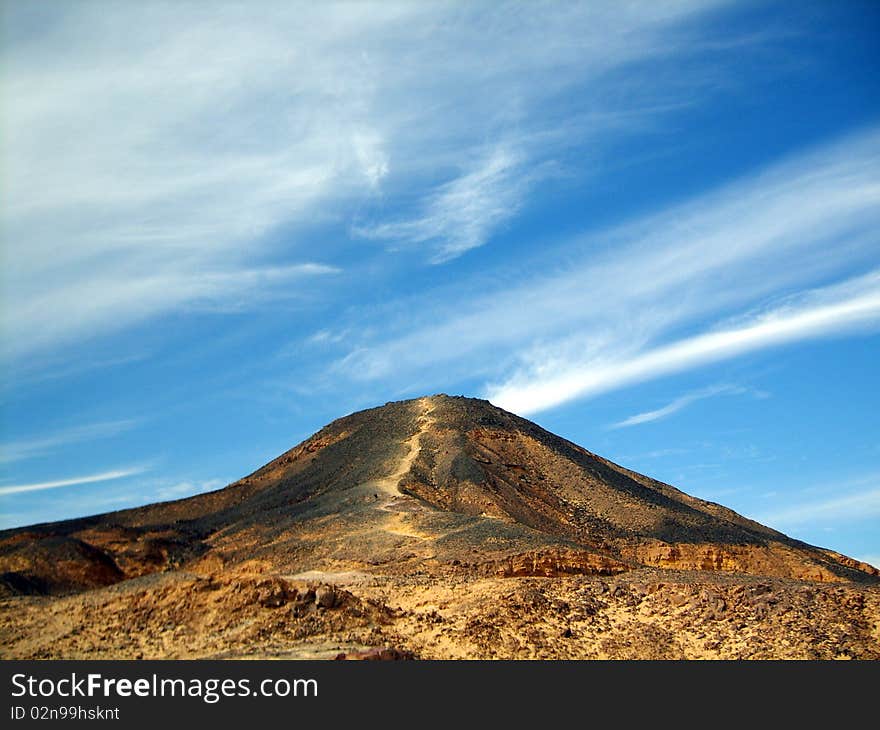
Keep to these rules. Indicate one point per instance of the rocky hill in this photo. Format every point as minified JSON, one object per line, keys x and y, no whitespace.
{"x":441,"y":526}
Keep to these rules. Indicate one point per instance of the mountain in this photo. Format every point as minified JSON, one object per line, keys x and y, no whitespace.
{"x":414,"y":498}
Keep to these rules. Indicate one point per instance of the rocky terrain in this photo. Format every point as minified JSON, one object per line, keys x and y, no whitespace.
{"x":440,"y":527}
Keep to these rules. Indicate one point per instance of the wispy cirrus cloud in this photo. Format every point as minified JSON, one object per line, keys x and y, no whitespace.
{"x":72,"y":481}
{"x":185,"y":488}
{"x":101,"y":495}
{"x":463,"y":213}
{"x":835,"y":510}
{"x":673,"y":290}
{"x":22,"y":449}
{"x":679,"y":404}
{"x":205,"y":136}
{"x":825,"y":312}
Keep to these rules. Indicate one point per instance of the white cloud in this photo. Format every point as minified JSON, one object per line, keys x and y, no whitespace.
{"x":848,"y":508}
{"x":657,"y":454}
{"x":678,"y":404}
{"x":186,"y":488}
{"x":91,"y":479}
{"x":368,"y":149}
{"x":825,"y":312}
{"x":22,"y":449}
{"x":109,"y":301}
{"x":158,"y":148}
{"x":92,"y":501}
{"x":565,"y":321}
{"x":462,"y":214}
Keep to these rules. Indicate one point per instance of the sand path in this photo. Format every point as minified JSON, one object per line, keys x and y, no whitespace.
{"x":396,"y":503}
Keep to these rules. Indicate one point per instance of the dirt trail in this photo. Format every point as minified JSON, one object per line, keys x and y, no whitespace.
{"x":347,"y":577}
{"x":396,"y":502}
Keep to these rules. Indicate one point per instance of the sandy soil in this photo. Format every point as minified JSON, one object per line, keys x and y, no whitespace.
{"x":644,"y":614}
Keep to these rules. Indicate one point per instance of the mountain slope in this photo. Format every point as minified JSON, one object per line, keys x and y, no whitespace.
{"x":433,"y":528}
{"x":436,"y":484}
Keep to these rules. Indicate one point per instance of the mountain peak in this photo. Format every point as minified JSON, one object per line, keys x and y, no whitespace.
{"x":426,"y":482}
{"x":442,"y":500}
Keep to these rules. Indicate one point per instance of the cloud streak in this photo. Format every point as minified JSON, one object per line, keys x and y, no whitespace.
{"x":848,"y":508}
{"x":678,"y":404}
{"x":186,"y":488}
{"x":832,"y":311}
{"x":462,"y":214}
{"x":661,"y":291}
{"x":91,"y":479}
{"x":20,"y":450}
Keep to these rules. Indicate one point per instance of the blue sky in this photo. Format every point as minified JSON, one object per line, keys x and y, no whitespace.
{"x":653,"y":228}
